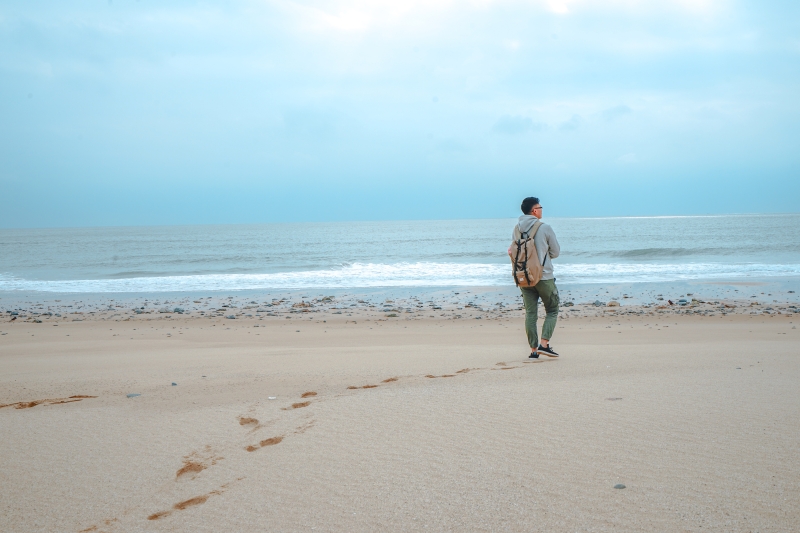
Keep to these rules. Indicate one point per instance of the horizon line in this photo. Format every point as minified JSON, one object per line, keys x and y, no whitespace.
{"x":611,"y":217}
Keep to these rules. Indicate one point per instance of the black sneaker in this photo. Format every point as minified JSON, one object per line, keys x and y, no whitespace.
{"x":546,"y":351}
{"x":533,"y":355}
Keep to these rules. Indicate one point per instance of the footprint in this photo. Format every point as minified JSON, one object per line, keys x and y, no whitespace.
{"x":369,"y":386}
{"x":27,"y":405}
{"x":47,"y":401}
{"x":246,"y":421}
{"x":196,"y":462}
{"x":107,"y":522}
{"x":500,"y":364}
{"x":430,"y":376}
{"x":191,"y":502}
{"x":271,"y":441}
{"x":266,"y":442}
{"x":190,"y":467}
{"x":389,"y":380}
{"x":300,"y":405}
{"x":305,"y":427}
{"x":308,"y":394}
{"x":463,"y":371}
{"x":447,"y":376}
{"x":197,"y":500}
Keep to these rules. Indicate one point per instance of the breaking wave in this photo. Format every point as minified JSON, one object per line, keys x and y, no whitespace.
{"x":419,"y":274}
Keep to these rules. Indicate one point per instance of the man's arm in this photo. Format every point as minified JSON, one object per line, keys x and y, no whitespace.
{"x":552,"y":243}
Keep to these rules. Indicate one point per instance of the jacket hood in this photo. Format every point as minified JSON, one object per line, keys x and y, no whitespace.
{"x":526,"y":222}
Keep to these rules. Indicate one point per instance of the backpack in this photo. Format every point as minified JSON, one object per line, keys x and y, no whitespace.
{"x":525,"y":258}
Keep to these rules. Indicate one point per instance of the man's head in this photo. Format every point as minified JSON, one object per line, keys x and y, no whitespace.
{"x":531,"y":206}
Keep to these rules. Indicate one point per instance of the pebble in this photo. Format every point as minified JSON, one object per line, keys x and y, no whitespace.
{"x":619,"y":486}
{"x":174,"y":384}
{"x":273,"y":398}
{"x":133,"y":395}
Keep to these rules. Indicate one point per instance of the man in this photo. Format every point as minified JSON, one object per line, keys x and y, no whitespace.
{"x":548,"y":249}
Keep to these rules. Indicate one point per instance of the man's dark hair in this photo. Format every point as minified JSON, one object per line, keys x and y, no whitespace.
{"x":528,"y":203}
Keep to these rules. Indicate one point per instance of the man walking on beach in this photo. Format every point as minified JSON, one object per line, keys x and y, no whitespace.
{"x":548,"y":249}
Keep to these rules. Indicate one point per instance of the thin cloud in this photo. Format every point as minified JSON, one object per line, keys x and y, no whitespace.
{"x":572,"y":124}
{"x":516,"y":125}
{"x":451,"y":146}
{"x":616,"y":112}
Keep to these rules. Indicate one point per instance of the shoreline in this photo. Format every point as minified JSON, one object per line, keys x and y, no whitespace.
{"x":707,"y":298}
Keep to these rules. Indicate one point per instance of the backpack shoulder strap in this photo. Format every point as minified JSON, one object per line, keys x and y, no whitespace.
{"x":535,"y":228}
{"x":531,"y":233}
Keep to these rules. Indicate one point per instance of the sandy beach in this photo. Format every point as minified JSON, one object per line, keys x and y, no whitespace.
{"x":260,"y":267}
{"x":328,"y":417}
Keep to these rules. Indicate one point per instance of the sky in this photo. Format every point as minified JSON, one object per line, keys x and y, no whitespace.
{"x":140,"y":112}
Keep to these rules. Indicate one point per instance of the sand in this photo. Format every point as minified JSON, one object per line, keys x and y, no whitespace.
{"x":418,"y":422}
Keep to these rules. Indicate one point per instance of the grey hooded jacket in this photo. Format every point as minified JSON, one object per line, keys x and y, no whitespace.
{"x":545,"y":240}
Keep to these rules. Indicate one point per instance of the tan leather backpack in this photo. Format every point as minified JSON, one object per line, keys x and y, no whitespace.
{"x":526,"y":269}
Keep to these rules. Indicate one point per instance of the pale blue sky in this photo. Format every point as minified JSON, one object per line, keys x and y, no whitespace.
{"x":142,"y":112}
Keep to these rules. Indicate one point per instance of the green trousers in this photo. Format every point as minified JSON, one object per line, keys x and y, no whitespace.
{"x":546,"y":290}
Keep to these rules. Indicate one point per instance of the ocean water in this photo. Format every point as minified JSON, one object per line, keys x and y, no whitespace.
{"x":392,"y":254}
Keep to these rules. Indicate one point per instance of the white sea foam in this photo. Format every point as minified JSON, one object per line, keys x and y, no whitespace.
{"x":655,"y":272}
{"x":420,"y":274}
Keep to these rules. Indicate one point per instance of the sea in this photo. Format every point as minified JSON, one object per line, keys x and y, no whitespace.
{"x":352,"y":255}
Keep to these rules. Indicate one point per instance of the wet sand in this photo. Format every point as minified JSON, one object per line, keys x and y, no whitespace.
{"x":431,"y":419}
